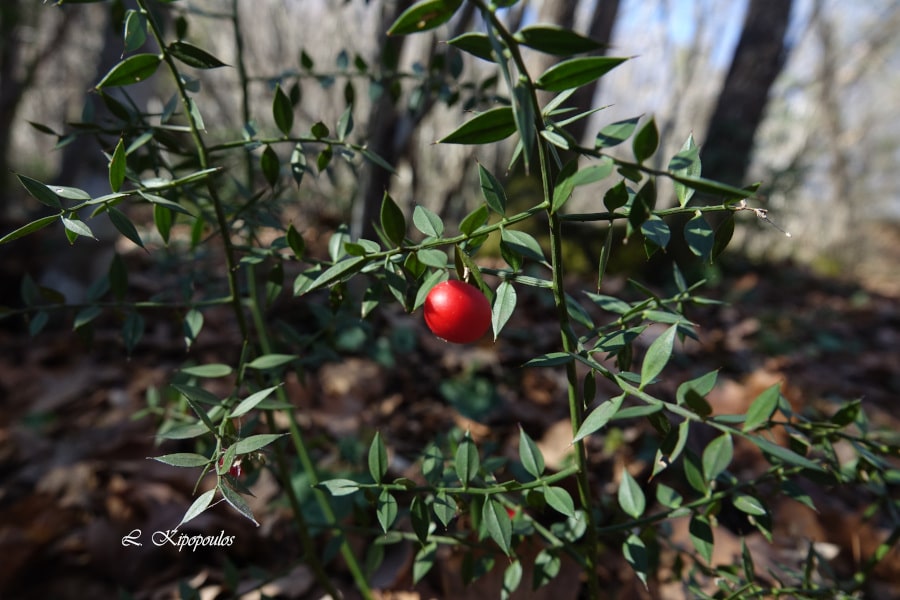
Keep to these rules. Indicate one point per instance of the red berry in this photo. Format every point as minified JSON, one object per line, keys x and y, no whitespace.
{"x":457,"y":312}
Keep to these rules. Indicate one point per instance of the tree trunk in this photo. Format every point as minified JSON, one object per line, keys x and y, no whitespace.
{"x":758,"y":59}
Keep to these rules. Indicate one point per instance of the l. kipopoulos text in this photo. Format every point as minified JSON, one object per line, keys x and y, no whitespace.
{"x":183,"y":540}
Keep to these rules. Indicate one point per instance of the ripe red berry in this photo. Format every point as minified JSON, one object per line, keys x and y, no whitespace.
{"x":457,"y":312}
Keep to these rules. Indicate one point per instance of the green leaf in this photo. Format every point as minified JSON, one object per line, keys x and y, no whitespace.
{"x":717,"y":456}
{"x":564,"y":186}
{"x":631,"y":496}
{"x":476,"y":44}
{"x":749,"y":504}
{"x":29,"y":228}
{"x":616,"y":133}
{"x":378,"y":458}
{"x":701,"y":536}
{"x":237,"y":503}
{"x":496,"y":521}
{"x":646,"y":141}
{"x":298,"y":163}
{"x":559,"y":500}
{"x":255,"y":442}
{"x":282,"y":111}
{"x":493,"y":192}
{"x":193,"y":56}
{"x":503,"y":307}
{"x":163,"y":218}
{"x":656,"y":234}
{"x":599,"y":417}
{"x":444,"y":508}
{"x":715,"y":188}
{"x":699,"y":236}
{"x":124,"y":225}
{"x":551,"y":359}
{"x":424,"y":560}
{"x":693,"y":472}
{"x":336,"y":272}
{"x":296,"y":242}
{"x":432,"y":257}
{"x":345,"y":123}
{"x":133,"y":69}
{"x":386,"y":510}
{"x":117,"y":167}
{"x":39,"y":191}
{"x":490,"y":126}
{"x":686,"y":163}
{"x":423,"y":16}
{"x":77,"y":227}
{"x":208,"y":371}
{"x":251,"y":401}
{"x":523,"y":244}
{"x":135,"y":33}
{"x":530,"y":455}
{"x":340,"y":487}
{"x":512,"y":578}
{"x":198,"y":506}
{"x":467,"y":461}
{"x":657,"y":356}
{"x":474,"y":220}
{"x":420,"y":518}
{"x":576,"y":72}
{"x":783,"y":454}
{"x":392,"y":220}
{"x":762,"y":408}
{"x":183,"y":459}
{"x":552,"y":39}
{"x":427,"y":222}
{"x":667,"y":496}
{"x":271,"y":361}
{"x":270,"y":165}
{"x":85,"y":316}
{"x":635,"y":552}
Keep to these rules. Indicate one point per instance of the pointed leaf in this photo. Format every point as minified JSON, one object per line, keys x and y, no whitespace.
{"x":553,"y":39}
{"x":701,"y":536}
{"x":560,"y":501}
{"x":599,"y":417}
{"x":493,"y":192}
{"x":392,"y":220}
{"x":658,"y":355}
{"x":616,"y":133}
{"x":183,"y":459}
{"x":699,"y":236}
{"x":424,"y":15}
{"x":340,"y":487}
{"x":193,"y":56}
{"x":576,"y":72}
{"x":503,"y":307}
{"x":124,"y":225}
{"x":133,"y":69}
{"x":427,"y":222}
{"x":117,"y":167}
{"x":29,"y":228}
{"x":39,"y":191}
{"x":255,"y":442}
{"x":635,"y":552}
{"x":497,"y":523}
{"x":476,"y":44}
{"x":198,"y":506}
{"x":490,"y":126}
{"x":209,"y":371}
{"x":646,"y":141}
{"x":762,"y":408}
{"x":530,"y":455}
{"x":467,"y":461}
{"x":387,"y":510}
{"x":271,"y":361}
{"x":238,"y":503}
{"x":717,"y":456}
{"x":282,"y":111}
{"x":378,"y":458}
{"x":631,"y":496}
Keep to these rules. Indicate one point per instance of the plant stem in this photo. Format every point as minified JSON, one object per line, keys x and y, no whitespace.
{"x":569,"y":340}
{"x":203,"y":159}
{"x":305,"y":461}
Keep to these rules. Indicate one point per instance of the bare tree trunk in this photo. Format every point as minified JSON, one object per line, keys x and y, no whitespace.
{"x":758,"y":59}
{"x":15,"y":77}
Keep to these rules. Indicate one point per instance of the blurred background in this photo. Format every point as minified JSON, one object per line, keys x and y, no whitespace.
{"x":800,"y":95}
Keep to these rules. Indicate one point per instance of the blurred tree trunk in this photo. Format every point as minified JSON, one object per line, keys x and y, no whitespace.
{"x":600,"y":27}
{"x":758,"y":59}
{"x":391,"y":127}
{"x":19,"y":66}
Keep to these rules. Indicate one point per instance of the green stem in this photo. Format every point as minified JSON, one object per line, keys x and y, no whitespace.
{"x":305,"y":462}
{"x":203,"y":159}
{"x":569,"y":340}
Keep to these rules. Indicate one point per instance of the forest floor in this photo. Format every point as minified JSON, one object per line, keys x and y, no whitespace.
{"x":75,"y":480}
